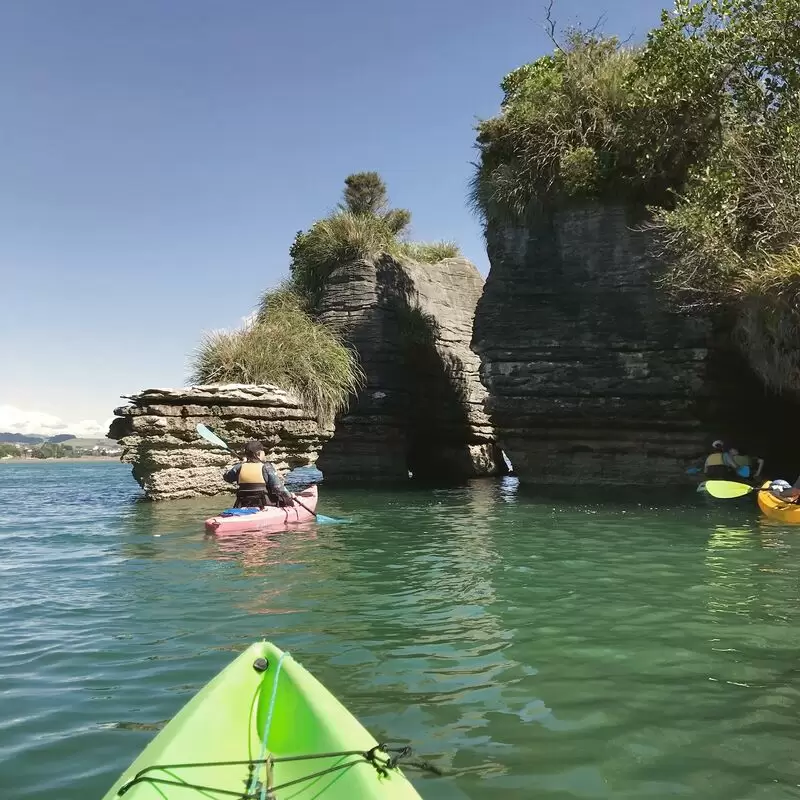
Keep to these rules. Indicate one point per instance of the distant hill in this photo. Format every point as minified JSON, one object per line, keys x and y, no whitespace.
{"x":20,"y":438}
{"x":88,"y":444}
{"x":67,"y":439}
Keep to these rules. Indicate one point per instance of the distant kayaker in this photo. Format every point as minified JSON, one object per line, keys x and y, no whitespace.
{"x":725,"y":462}
{"x":258,"y":484}
{"x":720,"y":464}
{"x":740,"y":461}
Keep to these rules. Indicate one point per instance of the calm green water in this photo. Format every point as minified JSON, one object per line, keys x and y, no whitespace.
{"x":532,"y":648}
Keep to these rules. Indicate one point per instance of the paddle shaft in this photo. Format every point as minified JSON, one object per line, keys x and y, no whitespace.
{"x":294,"y":496}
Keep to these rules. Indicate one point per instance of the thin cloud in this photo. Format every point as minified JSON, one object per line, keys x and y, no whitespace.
{"x":37,"y":423}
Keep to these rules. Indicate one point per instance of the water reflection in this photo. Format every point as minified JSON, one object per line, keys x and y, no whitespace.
{"x":171,"y":516}
{"x":732,"y":586}
{"x":259,"y":550}
{"x":509,"y":489}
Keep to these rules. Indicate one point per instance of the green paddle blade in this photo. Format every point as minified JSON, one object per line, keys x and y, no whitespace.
{"x":210,"y":436}
{"x":726,"y":490}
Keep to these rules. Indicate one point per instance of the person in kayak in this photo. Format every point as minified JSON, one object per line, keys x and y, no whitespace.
{"x":740,"y":461}
{"x":784,"y":491}
{"x":725,"y":462}
{"x":720,"y":464}
{"x":258,"y":484}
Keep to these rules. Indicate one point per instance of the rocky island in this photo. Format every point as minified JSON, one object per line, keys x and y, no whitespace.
{"x":370,"y":340}
{"x":157,"y":432}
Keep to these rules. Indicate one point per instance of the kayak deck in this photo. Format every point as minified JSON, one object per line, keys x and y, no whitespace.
{"x":271,"y":518}
{"x":777,"y":509}
{"x":214,"y":746}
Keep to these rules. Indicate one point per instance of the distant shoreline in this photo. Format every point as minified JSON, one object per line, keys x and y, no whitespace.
{"x":70,"y":460}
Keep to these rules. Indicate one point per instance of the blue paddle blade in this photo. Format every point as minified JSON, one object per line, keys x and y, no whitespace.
{"x":693,"y":470}
{"x":210,"y":436}
{"x":743,"y":472}
{"x":321,"y":518}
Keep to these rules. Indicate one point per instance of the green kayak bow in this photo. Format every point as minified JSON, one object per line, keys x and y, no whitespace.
{"x":264,"y":728}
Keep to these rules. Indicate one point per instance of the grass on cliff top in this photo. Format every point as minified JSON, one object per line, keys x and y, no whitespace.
{"x":362,"y":227}
{"x":595,"y":119}
{"x":286,"y":347}
{"x":560,"y":130}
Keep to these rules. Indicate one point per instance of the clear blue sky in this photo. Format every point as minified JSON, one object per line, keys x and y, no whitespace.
{"x":156,"y":159}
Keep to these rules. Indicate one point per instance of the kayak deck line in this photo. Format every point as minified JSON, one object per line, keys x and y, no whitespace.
{"x":264,"y":726}
{"x":382,"y":757}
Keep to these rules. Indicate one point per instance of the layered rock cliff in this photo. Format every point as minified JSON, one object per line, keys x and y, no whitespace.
{"x":422,"y":406}
{"x":157,"y":432}
{"x":591,"y":377}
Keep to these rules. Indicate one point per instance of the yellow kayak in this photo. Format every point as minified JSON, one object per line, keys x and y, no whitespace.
{"x":778,"y":509}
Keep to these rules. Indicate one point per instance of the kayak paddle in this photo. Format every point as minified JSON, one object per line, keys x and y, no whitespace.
{"x":725,"y":490}
{"x":211,"y":437}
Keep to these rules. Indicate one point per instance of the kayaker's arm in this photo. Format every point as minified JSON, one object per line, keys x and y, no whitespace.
{"x":275,"y":485}
{"x":231,"y":475}
{"x":760,"y":467}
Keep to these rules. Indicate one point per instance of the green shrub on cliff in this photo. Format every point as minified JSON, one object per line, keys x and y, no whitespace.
{"x":334,"y":240}
{"x":701,"y":123}
{"x":363,"y":227}
{"x":284,"y":344}
{"x":733,"y":239}
{"x":285,"y":347}
{"x":426,"y":252}
{"x":596,"y":119}
{"x":563,"y":130}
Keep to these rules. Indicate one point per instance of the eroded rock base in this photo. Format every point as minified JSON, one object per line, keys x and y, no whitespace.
{"x":157,"y":432}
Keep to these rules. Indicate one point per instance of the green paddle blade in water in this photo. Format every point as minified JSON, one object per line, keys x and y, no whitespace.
{"x":258,"y":725}
{"x":725,"y":490}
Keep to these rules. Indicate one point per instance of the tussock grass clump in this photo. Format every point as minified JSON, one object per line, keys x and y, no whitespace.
{"x":363,"y":227}
{"x":285,"y":344}
{"x":597,"y":119}
{"x":338,"y":239}
{"x":286,"y":347}
{"x":560,"y":129}
{"x":427,"y":252}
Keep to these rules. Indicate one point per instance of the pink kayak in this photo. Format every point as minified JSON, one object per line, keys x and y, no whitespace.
{"x":270,"y":519}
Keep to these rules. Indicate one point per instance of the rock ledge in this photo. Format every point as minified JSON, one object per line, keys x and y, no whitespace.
{"x":158,"y":437}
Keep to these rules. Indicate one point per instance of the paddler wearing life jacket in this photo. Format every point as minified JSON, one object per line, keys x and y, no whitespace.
{"x":719,"y":464}
{"x":725,"y":463}
{"x":258,"y":484}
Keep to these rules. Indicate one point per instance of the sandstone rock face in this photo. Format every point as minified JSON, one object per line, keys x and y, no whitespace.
{"x":423,"y":405}
{"x":158,"y":436}
{"x":591,"y":377}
